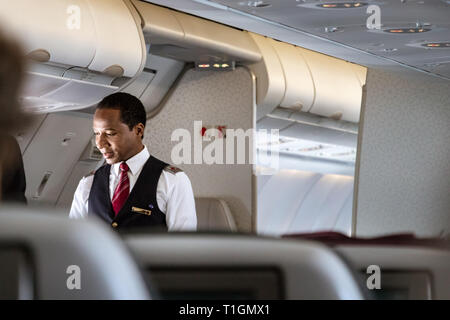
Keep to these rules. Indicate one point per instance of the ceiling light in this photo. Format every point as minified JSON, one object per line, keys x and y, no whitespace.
{"x":216,"y":66}
{"x":407,"y":30}
{"x":342,"y":5}
{"x":436,"y":45}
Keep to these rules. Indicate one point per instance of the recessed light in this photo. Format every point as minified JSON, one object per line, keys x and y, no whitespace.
{"x":407,"y":30}
{"x":342,"y":5}
{"x":225,"y":66}
{"x":436,"y":45}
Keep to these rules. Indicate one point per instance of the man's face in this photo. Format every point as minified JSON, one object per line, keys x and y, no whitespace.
{"x":114,"y":138}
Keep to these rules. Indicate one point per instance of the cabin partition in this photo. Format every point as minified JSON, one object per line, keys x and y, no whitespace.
{"x":403,"y":180}
{"x":208,"y":100}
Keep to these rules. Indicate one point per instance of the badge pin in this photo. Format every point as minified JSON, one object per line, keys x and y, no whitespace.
{"x":142,"y":211}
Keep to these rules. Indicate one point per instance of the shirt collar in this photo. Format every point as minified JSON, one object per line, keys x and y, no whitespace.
{"x":135,"y":163}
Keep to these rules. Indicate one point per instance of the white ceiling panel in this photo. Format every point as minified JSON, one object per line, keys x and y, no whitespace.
{"x":342,"y":32}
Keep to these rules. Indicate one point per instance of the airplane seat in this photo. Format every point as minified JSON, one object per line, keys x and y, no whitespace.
{"x":214,"y":215}
{"x":237,"y":266}
{"x":48,"y":256}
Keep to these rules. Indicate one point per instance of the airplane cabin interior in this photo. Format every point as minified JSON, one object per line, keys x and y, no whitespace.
{"x":317,"y":148}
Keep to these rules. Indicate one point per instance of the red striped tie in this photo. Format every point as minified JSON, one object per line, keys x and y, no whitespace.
{"x":122,"y":190}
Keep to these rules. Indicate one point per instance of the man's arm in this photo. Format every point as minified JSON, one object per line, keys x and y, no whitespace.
{"x":79,"y":207}
{"x":176,"y":199}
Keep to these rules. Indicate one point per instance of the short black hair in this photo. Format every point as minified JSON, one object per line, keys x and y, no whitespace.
{"x":132,"y":111}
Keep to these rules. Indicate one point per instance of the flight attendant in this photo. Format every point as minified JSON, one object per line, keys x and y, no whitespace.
{"x":133,"y":188}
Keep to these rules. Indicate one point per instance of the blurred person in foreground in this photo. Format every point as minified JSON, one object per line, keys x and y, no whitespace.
{"x":12,"y":175}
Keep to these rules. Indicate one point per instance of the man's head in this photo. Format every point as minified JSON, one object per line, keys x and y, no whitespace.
{"x":119,"y":124}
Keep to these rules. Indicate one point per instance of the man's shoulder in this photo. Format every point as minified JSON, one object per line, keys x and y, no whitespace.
{"x":88,"y":179}
{"x":172,"y":169}
{"x":92,"y":173}
{"x":173,"y":175}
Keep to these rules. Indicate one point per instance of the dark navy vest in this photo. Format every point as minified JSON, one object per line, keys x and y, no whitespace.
{"x":141,"y":208}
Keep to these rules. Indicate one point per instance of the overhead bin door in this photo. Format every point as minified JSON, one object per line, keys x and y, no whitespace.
{"x":270,"y":78}
{"x":102,"y":35}
{"x":300,"y":92}
{"x":307,"y":81}
{"x":120,"y":43}
{"x":338,"y":87}
{"x":64,"y":29}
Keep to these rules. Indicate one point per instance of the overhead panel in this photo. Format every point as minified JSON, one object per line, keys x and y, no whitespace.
{"x":159,"y":24}
{"x":188,"y":38}
{"x":227,"y":41}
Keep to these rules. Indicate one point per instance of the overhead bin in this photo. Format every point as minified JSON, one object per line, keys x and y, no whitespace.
{"x":49,"y":33}
{"x":299,"y":91}
{"x":300,"y":79}
{"x":120,"y":47}
{"x":271,"y":84}
{"x":94,"y":34}
{"x":188,"y":38}
{"x":78,"y":49}
{"x":338,"y":89}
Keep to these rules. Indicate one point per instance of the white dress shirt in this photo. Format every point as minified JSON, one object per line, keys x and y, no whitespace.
{"x":174,"y":193}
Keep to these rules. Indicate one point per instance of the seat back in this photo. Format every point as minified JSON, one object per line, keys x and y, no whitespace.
{"x":237,"y":266}
{"x":214,"y":215}
{"x":48,"y":256}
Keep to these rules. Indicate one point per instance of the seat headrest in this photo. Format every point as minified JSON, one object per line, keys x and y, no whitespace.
{"x":214,"y":214}
{"x":69,"y":259}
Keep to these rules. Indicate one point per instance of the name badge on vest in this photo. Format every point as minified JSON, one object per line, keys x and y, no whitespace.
{"x":141,"y":211}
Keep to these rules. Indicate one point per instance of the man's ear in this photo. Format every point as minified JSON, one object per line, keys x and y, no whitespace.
{"x":139,"y":129}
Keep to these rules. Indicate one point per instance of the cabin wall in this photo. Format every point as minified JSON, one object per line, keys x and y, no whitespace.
{"x":404,"y":176}
{"x":215,"y":98}
{"x":309,"y":202}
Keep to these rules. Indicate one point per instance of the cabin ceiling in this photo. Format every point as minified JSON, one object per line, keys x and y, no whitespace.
{"x":342,"y":32}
